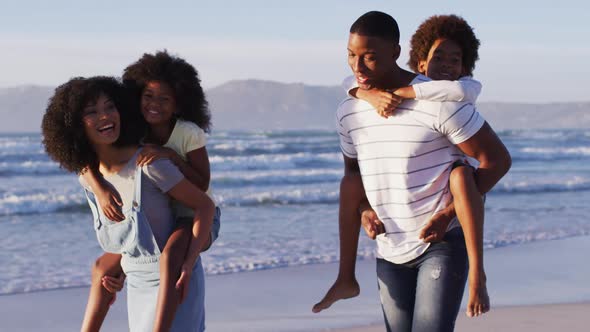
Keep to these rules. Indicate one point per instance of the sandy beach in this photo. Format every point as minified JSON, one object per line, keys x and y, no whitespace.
{"x":539,"y":286}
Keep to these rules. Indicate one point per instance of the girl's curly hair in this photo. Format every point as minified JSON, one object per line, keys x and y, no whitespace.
{"x":64,"y":137}
{"x":181,"y":76}
{"x":450,"y":27}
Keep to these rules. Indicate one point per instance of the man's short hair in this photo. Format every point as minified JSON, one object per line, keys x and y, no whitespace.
{"x":376,"y":24}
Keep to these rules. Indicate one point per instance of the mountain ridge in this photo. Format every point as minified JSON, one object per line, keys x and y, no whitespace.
{"x":269,"y":105}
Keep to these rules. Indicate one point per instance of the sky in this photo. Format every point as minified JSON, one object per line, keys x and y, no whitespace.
{"x":531,"y":51}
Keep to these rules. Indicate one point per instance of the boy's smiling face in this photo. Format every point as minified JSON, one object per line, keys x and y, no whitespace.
{"x":444,"y":61}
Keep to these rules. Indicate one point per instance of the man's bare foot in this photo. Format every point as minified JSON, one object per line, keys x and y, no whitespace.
{"x":479,"y":301}
{"x":340,"y":290}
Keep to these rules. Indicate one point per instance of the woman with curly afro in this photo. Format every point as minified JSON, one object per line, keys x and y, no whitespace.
{"x":88,"y":125}
{"x":166,"y":91}
{"x":445,"y":49}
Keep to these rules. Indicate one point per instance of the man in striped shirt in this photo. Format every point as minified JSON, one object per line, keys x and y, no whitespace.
{"x":405,"y":161}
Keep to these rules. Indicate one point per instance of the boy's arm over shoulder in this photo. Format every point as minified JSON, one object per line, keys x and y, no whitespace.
{"x":349,"y":84}
{"x":465,"y":89}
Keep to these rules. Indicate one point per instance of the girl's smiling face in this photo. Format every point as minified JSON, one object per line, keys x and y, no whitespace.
{"x":444,"y":62}
{"x":101,"y":121}
{"x":158,"y":103}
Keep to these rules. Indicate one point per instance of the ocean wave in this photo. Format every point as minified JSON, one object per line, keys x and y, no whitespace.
{"x":276,"y":161}
{"x":37,"y":203}
{"x":275,"y":177}
{"x":279,"y":196}
{"x":30,"y":167}
{"x":545,"y":134}
{"x":541,"y":186}
{"x":261,"y":189}
{"x":557,"y":151}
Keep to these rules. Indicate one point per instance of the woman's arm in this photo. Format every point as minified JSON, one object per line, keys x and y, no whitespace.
{"x":196,"y":169}
{"x":189,"y":195}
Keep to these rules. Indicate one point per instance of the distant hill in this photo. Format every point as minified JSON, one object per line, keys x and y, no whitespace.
{"x":22,"y":107}
{"x":254,"y":104}
{"x":267,"y":105}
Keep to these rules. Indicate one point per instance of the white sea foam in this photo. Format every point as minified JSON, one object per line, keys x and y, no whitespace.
{"x":552,"y":151}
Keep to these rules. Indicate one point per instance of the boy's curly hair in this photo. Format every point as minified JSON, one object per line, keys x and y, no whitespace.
{"x":181,"y":76}
{"x":63,"y":131}
{"x":450,"y":27}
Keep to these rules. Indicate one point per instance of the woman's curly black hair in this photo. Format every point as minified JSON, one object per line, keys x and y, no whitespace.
{"x":450,"y":27}
{"x":64,"y":137}
{"x":181,"y":76}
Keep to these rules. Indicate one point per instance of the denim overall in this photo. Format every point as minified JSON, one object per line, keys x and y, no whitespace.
{"x":134,"y":240}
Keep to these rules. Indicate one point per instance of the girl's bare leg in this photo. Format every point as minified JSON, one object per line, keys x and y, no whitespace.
{"x":99,"y":298}
{"x":470,"y":212}
{"x":170,"y":264}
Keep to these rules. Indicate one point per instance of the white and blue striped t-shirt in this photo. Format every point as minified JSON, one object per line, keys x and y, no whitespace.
{"x":405,"y":162}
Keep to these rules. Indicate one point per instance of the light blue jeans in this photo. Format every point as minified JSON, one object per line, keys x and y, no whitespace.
{"x":424,"y":294}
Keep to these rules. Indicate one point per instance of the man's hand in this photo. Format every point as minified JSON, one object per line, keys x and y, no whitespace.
{"x":436,"y":228}
{"x":371,"y":223}
{"x":151,"y":152}
{"x":110,"y":202}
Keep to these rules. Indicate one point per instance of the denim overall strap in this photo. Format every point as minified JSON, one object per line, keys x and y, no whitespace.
{"x":94,"y":207}
{"x":146,"y":253}
{"x":137,"y":193}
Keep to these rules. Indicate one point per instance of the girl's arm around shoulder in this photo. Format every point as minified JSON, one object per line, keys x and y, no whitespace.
{"x":465,"y":89}
{"x":196,"y":167}
{"x":108,"y":198}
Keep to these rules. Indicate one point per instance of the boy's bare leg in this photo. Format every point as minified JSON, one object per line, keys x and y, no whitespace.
{"x":470,"y":212}
{"x":346,"y":285}
{"x":99,"y":299}
{"x":170,"y":264}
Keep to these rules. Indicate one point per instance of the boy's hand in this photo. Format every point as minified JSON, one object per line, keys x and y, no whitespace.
{"x":183,"y":282}
{"x":385,"y":102}
{"x":152,"y":152}
{"x":371,"y":223}
{"x":436,"y":228}
{"x":111,"y":203}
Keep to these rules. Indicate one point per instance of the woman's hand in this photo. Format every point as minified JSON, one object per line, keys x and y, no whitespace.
{"x":113,"y":285}
{"x":151,"y":152}
{"x":110,"y":202}
{"x":182,"y":285}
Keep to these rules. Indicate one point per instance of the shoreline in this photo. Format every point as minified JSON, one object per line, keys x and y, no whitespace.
{"x":537,"y":318}
{"x":526,"y":284}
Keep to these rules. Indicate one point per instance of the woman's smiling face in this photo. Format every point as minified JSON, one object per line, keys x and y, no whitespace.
{"x":101,"y":120}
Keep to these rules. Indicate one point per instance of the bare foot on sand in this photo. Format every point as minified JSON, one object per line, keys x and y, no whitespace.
{"x":340,"y":290}
{"x":479,"y":301}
